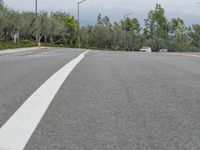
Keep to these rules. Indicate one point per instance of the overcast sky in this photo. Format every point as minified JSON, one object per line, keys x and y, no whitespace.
{"x":186,"y":9}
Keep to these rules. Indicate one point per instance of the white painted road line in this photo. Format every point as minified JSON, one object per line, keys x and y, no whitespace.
{"x":17,"y":131}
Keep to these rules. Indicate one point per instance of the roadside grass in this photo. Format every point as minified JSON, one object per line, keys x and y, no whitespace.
{"x":26,"y":43}
{"x":10,"y":45}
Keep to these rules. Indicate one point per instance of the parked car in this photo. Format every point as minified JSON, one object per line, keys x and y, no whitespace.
{"x":146,"y":49}
{"x":163,"y":50}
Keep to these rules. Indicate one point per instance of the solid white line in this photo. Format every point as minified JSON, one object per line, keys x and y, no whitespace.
{"x":17,"y":131}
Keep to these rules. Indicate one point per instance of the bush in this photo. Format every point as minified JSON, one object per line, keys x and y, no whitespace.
{"x":156,"y":44}
{"x":11,"y":45}
{"x":181,"y":47}
{"x":8,"y":45}
{"x":28,"y":43}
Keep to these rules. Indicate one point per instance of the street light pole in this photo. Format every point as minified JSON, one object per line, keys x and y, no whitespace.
{"x":36,"y":9}
{"x":36,"y":13}
{"x":78,"y":26}
{"x":125,"y":29}
{"x":198,"y":3}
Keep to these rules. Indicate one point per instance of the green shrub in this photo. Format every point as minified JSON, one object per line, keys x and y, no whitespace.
{"x":11,"y":45}
{"x":28,"y":43}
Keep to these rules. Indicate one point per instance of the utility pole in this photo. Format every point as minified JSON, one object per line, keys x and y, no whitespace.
{"x":125,"y":29}
{"x":78,"y":26}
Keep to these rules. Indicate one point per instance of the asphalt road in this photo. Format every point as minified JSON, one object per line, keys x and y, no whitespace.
{"x":110,"y":101}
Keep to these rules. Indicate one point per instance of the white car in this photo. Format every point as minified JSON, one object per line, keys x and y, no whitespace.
{"x":146,"y":49}
{"x":163,"y":50}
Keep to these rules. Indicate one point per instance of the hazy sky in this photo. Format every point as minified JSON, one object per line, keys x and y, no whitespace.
{"x":113,"y":8}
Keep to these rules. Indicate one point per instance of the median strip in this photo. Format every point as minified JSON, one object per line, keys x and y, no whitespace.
{"x":17,"y":131}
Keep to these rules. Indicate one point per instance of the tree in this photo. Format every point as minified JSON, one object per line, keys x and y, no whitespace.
{"x":155,"y":43}
{"x":156,"y":24}
{"x":178,"y":28}
{"x":61,"y":28}
{"x":87,"y":36}
{"x":117,"y":26}
{"x":194,"y":33}
{"x":99,"y":20}
{"x":70,"y":24}
{"x":131,"y":25}
{"x":28,"y":27}
{"x":3,"y":20}
{"x":56,"y":30}
{"x":106,"y":21}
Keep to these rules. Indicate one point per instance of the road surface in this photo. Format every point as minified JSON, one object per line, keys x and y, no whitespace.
{"x":109,"y":100}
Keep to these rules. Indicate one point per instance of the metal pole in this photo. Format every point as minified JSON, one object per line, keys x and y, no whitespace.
{"x":78,"y":26}
{"x":198,"y":3}
{"x":125,"y":29}
{"x":36,"y":13}
{"x":124,"y":34}
{"x":36,"y":9}
{"x":78,"y":37}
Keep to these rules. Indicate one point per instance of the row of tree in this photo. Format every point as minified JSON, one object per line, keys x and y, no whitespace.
{"x":56,"y":28}
{"x":158,"y":33}
{"x":61,"y":28}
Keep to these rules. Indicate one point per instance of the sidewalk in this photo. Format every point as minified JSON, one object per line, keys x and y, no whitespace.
{"x":8,"y":51}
